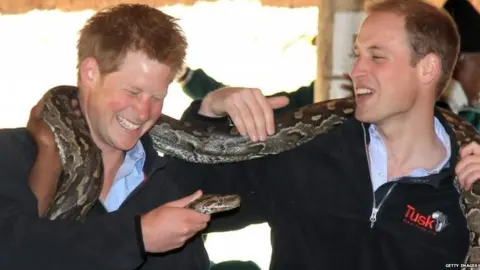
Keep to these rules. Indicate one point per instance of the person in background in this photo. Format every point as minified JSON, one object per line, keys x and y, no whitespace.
{"x":467,"y":71}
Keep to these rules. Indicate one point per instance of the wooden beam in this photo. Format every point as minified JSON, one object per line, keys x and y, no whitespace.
{"x":290,"y":3}
{"x":326,"y":16}
{"x":341,"y":5}
{"x":349,"y":5}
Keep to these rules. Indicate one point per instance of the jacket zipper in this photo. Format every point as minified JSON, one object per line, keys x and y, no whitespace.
{"x":375,"y":207}
{"x":373,"y":216}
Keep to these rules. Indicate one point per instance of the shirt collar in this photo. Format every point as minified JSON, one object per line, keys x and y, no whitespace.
{"x":441,"y":134}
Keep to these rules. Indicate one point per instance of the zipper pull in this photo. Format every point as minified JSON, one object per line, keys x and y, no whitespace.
{"x":373,"y":217}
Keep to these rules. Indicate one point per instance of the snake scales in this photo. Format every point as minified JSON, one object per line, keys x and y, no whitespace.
{"x":82,"y":160}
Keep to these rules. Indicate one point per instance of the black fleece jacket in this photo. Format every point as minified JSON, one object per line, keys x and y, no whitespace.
{"x":105,"y":241}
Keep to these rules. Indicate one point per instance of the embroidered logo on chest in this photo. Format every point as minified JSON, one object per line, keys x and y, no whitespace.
{"x":433,"y":223}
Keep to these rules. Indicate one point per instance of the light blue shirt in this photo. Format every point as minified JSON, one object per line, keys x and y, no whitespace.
{"x":378,"y":156}
{"x":128,"y":177}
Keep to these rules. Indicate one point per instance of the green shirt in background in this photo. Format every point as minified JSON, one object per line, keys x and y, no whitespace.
{"x":472,"y":115}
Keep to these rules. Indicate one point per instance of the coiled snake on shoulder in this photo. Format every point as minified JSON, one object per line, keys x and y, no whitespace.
{"x":82,"y":160}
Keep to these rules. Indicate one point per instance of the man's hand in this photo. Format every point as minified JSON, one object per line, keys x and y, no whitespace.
{"x":171,"y":225}
{"x":249,"y":109}
{"x":39,"y":130}
{"x":468,"y":168}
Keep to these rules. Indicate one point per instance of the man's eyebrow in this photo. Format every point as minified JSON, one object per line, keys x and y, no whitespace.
{"x":374,"y":47}
{"x":370,"y":48}
{"x":136,"y":88}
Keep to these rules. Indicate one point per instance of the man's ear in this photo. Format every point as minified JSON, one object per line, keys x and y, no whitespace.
{"x":89,"y":72}
{"x":429,"y":69}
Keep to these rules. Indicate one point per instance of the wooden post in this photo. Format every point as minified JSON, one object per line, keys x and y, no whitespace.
{"x":326,"y":15}
{"x":327,"y":10}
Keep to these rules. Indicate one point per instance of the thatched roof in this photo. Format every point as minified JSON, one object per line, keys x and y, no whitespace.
{"x":22,"y":6}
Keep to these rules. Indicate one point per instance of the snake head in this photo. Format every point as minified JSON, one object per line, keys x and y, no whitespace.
{"x":211,"y":203}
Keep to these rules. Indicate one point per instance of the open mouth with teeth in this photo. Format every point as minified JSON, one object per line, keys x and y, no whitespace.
{"x":362,"y":95}
{"x":363,"y":91}
{"x":126,"y":124}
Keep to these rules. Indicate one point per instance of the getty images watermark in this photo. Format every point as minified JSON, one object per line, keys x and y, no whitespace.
{"x":457,"y":265}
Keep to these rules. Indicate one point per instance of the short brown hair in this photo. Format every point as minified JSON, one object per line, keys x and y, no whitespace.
{"x":429,"y":30}
{"x":112,"y":32}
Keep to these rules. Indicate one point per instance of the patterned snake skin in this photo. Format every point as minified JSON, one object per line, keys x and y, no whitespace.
{"x":82,"y":161}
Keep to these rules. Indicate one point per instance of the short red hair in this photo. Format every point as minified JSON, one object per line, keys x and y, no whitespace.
{"x":112,"y":32}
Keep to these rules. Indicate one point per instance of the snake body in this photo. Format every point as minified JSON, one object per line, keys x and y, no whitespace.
{"x":206,"y":145}
{"x":211,"y":203}
{"x":82,"y":161}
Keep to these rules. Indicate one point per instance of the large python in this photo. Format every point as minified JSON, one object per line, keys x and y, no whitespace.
{"x":82,"y":161}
